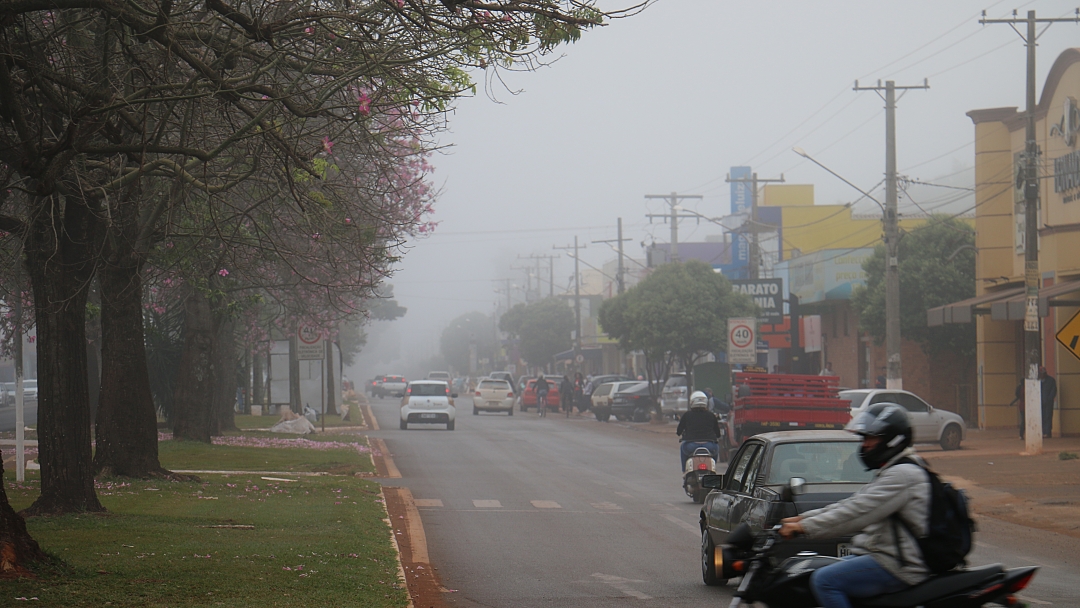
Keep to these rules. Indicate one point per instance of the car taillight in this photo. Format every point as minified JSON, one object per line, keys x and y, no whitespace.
{"x":477,"y":393}
{"x":510,"y":394}
{"x":408,"y":391}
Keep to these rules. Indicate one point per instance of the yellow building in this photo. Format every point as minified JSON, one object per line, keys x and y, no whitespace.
{"x":998,"y":308}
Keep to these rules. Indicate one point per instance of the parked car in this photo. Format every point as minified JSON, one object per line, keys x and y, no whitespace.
{"x":596,"y":381}
{"x":391,"y":385}
{"x":604,"y":394}
{"x":751,"y":489}
{"x":7,"y":394}
{"x":931,"y":424}
{"x":427,"y":402}
{"x":528,"y":396}
{"x":634,"y":402}
{"x":674,"y":399}
{"x":493,"y":396}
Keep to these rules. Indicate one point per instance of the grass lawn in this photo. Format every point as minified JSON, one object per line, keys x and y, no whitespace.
{"x":317,"y":541}
{"x":339,"y":454}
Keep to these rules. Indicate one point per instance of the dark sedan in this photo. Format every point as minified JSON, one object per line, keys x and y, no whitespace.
{"x":751,"y":489}
{"x":633,"y":403}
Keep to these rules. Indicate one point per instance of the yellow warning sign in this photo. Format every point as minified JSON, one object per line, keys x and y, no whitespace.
{"x":1069,"y":335}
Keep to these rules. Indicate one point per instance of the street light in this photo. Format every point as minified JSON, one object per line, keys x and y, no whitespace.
{"x":894,"y":375}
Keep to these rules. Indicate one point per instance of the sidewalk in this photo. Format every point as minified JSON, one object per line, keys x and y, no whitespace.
{"x":1035,"y":491}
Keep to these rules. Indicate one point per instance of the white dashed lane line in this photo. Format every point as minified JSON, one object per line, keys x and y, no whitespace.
{"x":487,"y":504}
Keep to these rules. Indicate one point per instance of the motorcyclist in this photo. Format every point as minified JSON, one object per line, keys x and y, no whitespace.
{"x":716,"y":405}
{"x":698,"y":428}
{"x":542,"y":386}
{"x":885,"y":556}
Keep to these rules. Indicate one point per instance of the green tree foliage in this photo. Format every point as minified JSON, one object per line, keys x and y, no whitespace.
{"x":544,"y":328}
{"x":930,"y":275}
{"x":677,"y":314}
{"x":473,"y":327}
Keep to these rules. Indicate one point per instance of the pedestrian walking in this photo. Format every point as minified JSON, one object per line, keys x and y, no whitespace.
{"x":881,"y":383}
{"x":566,"y":395}
{"x":579,"y":393}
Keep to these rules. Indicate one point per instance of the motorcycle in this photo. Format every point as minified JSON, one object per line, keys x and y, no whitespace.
{"x":787,"y":584}
{"x":697,"y":466}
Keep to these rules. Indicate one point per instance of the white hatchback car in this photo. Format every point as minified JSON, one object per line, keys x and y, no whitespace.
{"x":493,"y":396}
{"x":428,"y":402}
{"x":932,"y":425}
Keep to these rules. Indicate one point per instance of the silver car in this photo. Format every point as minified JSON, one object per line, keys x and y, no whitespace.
{"x":674,"y":398}
{"x":932,"y":425}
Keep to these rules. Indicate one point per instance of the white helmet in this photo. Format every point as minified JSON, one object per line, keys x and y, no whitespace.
{"x":699,"y":400}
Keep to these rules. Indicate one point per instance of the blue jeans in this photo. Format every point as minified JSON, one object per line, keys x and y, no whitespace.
{"x":686,"y":450}
{"x":853,"y":577}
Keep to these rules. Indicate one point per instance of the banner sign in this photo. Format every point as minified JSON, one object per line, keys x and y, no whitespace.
{"x":740,"y":203}
{"x":768,"y":294}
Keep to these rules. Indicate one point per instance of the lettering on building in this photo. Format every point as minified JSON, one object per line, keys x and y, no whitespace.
{"x":766,"y":293}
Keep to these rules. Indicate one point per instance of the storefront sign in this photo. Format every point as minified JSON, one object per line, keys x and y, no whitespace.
{"x":768,"y":294}
{"x":1069,"y":125}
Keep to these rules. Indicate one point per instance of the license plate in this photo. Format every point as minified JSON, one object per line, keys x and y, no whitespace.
{"x":428,"y":415}
{"x":843,"y":550}
{"x":494,"y":404}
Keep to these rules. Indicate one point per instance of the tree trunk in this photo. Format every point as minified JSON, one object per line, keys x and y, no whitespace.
{"x":224,"y":358}
{"x":17,"y":548}
{"x":126,"y":428}
{"x":60,"y":249}
{"x":194,"y":379}
{"x":93,"y":359}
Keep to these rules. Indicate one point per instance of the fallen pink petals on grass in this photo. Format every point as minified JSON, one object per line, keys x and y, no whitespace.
{"x":276,"y":442}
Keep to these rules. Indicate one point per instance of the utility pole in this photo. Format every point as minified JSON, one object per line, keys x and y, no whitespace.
{"x":894,"y":379}
{"x":755,"y":248}
{"x":528,"y":280}
{"x":551,"y":271}
{"x":673,"y":200}
{"x":620,"y":282}
{"x":577,"y":298}
{"x":1033,"y":431}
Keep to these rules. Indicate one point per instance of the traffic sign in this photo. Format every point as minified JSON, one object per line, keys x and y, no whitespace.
{"x":1069,"y":335}
{"x":309,"y":343}
{"x":742,"y":340}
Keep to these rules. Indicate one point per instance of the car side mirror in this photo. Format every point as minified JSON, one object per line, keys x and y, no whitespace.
{"x":795,"y":487}
{"x":712,"y":482}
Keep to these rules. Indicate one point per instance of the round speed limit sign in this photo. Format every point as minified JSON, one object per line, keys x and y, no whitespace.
{"x":742,"y":336}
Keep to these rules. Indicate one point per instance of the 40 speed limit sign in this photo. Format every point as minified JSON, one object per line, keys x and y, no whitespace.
{"x":742,"y":340}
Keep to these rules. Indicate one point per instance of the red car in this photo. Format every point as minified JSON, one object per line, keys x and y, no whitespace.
{"x":528,"y":396}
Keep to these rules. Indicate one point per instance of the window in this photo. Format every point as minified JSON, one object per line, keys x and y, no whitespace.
{"x":495,"y":385}
{"x":735,"y":482}
{"x":603,"y":389}
{"x":676,"y":381}
{"x":818,"y":462}
{"x":911,"y":403}
{"x":427,"y":390}
{"x":856,"y":397}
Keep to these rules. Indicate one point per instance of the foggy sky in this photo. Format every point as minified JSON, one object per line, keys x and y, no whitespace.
{"x":670,"y":99}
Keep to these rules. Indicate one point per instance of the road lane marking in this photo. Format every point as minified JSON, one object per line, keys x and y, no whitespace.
{"x":605,"y":506}
{"x":622,"y":584}
{"x":685,"y":525}
{"x":487,"y":504}
{"x":428,"y":502}
{"x":545,"y":504}
{"x":624,"y":494}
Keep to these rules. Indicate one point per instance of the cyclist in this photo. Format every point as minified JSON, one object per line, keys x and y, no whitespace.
{"x":542,"y":386}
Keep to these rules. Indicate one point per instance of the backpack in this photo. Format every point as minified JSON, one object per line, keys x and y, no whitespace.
{"x":949,"y":527}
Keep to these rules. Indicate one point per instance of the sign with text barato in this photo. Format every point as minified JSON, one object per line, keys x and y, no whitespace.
{"x":742,"y":340}
{"x":768,"y":294}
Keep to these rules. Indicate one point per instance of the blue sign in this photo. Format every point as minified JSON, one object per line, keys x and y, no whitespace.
{"x":740,"y":203}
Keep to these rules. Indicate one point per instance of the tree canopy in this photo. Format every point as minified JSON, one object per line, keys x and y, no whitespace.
{"x":544,"y":328}
{"x":470,"y":328}
{"x":678,"y":313}
{"x":937,"y":267}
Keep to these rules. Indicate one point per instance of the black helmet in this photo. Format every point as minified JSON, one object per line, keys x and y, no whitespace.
{"x":888,"y":421}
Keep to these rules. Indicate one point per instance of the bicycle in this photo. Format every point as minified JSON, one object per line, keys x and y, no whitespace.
{"x":542,"y":403}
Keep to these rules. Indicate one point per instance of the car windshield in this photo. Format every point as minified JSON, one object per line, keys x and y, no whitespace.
{"x":856,"y":398}
{"x":818,"y":462}
{"x":495,"y":385}
{"x":428,"y":390}
{"x":676,"y":381}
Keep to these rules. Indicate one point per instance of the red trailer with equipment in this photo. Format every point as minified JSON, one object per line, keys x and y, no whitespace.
{"x":785,"y":402}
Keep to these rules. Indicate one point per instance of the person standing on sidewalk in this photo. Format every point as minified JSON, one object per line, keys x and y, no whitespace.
{"x":1049,"y":393}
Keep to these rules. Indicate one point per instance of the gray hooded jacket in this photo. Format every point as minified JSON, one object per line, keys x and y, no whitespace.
{"x":902,"y":489}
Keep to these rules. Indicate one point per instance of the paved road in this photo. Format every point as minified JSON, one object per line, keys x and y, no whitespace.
{"x":528,"y":512}
{"x":7,"y":416}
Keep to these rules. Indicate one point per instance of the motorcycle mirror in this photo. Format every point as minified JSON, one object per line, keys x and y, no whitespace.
{"x":797,"y":485}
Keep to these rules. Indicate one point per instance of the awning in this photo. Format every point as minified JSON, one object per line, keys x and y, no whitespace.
{"x":964,"y":310}
{"x":590,"y":354}
{"x":1004,"y":305}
